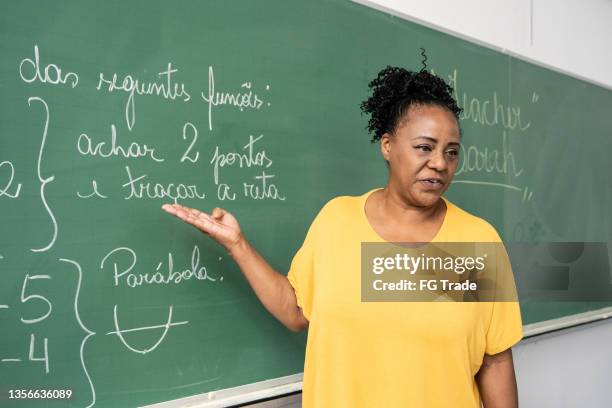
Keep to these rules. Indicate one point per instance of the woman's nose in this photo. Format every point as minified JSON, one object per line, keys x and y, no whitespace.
{"x":437,"y":161}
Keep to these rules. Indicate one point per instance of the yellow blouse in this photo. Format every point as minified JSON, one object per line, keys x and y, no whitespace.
{"x":390,"y":354}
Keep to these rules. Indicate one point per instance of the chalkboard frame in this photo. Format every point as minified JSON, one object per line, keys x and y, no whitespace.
{"x":276,"y":387}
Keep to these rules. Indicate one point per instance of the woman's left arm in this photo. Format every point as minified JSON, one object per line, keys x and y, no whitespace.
{"x":496,"y":381}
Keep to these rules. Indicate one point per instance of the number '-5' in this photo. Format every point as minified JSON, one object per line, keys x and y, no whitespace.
{"x":28,"y":298}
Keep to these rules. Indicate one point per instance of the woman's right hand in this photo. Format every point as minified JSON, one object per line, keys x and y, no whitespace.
{"x":219,"y":224}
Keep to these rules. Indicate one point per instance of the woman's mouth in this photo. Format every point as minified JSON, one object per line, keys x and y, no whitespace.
{"x":432,"y":183}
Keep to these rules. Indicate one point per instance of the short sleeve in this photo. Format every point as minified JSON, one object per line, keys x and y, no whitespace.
{"x":506,"y":326}
{"x":301,"y":272}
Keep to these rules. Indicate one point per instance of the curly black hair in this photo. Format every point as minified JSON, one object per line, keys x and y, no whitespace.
{"x":395,"y":90}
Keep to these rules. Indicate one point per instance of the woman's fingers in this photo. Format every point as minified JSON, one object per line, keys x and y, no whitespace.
{"x":217,"y":213}
{"x":169,"y":209}
{"x":187,"y":210}
{"x":198,"y":219}
{"x":192,"y":216}
{"x":177,"y":211}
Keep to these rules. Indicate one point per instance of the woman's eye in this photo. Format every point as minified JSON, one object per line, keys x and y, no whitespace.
{"x":424,"y":148}
{"x":452,"y":152}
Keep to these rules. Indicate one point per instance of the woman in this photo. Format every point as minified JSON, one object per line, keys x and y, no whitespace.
{"x":387,"y":354}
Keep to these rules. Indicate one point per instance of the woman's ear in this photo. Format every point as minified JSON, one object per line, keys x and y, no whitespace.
{"x":385,"y":146}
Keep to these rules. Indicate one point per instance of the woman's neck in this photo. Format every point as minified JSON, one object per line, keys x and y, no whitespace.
{"x":395,"y":220}
{"x":397,"y":207}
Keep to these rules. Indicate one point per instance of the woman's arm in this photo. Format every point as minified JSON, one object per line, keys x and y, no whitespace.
{"x":272,"y":288}
{"x":496,"y":381}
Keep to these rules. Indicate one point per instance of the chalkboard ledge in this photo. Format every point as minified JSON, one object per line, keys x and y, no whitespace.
{"x":238,"y":395}
{"x":547,"y":326}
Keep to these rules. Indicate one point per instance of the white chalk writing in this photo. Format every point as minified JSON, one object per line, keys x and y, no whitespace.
{"x":163,"y":274}
{"x":119,"y":332}
{"x":90,"y":333}
{"x":241,"y":100}
{"x":133,"y":86}
{"x":52,"y":74}
{"x":482,"y":159}
{"x":44,"y":181}
{"x":247,"y":159}
{"x":139,"y":189}
{"x":489,"y":111}
{"x":86,"y":147}
{"x":262,"y":188}
{"x":5,"y":190}
{"x":194,"y":131}
{"x":94,"y":193}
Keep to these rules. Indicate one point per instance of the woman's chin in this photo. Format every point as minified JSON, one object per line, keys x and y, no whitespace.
{"x":428,"y":199}
{"x":422,"y":198}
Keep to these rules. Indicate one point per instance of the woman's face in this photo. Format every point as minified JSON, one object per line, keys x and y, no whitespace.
{"x":422,"y":153}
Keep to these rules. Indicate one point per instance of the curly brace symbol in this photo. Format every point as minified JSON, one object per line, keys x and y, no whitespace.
{"x":90,"y":333}
{"x":44,"y":180}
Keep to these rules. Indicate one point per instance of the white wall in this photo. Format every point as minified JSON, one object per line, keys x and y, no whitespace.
{"x":573,"y":36}
{"x":566,"y":369}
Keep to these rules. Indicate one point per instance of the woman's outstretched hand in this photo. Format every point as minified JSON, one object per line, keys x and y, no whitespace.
{"x":219,"y":224}
{"x":273,"y":289}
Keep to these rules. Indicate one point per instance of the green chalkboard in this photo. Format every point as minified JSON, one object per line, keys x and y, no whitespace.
{"x":109,"y":109}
